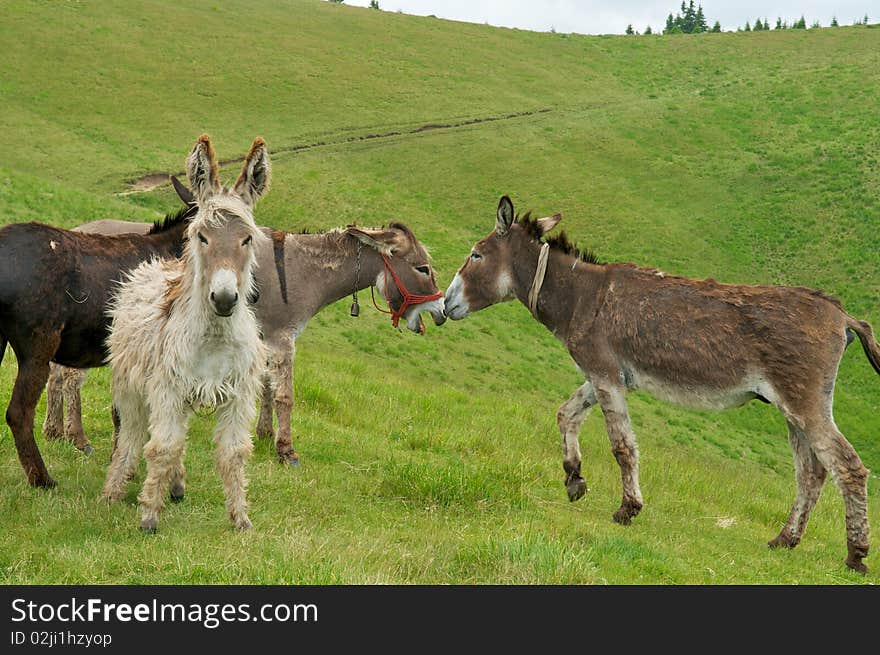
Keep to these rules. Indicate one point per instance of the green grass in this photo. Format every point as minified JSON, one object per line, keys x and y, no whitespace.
{"x":745,"y":157}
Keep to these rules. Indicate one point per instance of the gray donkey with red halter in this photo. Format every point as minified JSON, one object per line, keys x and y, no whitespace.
{"x":698,"y":343}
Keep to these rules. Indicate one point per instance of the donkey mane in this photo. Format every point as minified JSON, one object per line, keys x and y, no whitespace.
{"x":393,"y":225}
{"x":559,"y":242}
{"x":172,"y":220}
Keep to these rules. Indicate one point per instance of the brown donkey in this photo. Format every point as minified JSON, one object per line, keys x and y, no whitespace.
{"x":698,"y":343}
{"x":54,"y":286}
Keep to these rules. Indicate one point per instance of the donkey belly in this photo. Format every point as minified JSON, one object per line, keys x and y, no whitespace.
{"x":695,"y":395}
{"x":83,"y":346}
{"x":80,"y":355}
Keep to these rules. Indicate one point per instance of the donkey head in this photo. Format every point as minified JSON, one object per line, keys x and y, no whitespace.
{"x":222,"y":237}
{"x":415,"y":289}
{"x":488,"y":274}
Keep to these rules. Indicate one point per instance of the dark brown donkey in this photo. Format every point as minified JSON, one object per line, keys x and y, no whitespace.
{"x":694,"y":342}
{"x":54,"y":285}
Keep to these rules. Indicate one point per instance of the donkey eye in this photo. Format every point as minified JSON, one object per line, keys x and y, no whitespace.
{"x":475,"y":255}
{"x":202,"y":238}
{"x":247,"y":241}
{"x":424,"y":270}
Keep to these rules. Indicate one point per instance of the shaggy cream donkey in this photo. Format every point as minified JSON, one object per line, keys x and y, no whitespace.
{"x":183,"y":338}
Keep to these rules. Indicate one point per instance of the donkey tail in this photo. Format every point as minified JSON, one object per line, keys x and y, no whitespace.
{"x":869,"y":343}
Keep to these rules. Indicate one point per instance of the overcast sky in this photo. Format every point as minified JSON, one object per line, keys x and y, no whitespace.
{"x":612,"y":16}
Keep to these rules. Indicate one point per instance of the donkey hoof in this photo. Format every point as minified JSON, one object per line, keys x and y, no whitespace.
{"x":782,"y":540}
{"x":626,"y":513}
{"x":854,"y":556}
{"x":52,"y":434}
{"x":149,"y":526}
{"x":177,"y":494}
{"x":290,"y":458}
{"x":243,"y":524}
{"x":87,"y":450}
{"x":857,"y":566}
{"x":44,"y":483}
{"x":576,"y":489}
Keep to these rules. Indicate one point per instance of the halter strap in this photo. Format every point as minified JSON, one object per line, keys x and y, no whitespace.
{"x":409,"y":299}
{"x":538,"y":282}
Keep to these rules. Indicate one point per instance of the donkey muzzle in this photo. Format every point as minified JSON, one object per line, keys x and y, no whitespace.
{"x":224,"y":302}
{"x":455,"y":306}
{"x":224,"y":291}
{"x":438,"y":313}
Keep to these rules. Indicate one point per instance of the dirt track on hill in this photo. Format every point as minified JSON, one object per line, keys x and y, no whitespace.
{"x":151,"y":181}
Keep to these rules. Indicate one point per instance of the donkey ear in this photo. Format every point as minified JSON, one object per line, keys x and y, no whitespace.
{"x":548,"y":223}
{"x":253,"y":182}
{"x":201,"y":169}
{"x":504,"y":217}
{"x":385,"y":241}
{"x":183,"y":191}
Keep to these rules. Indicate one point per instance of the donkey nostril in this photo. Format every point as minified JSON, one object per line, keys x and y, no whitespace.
{"x":236,"y":297}
{"x":212,"y":295}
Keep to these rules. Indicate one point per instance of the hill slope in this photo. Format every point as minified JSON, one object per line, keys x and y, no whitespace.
{"x":745,"y":157}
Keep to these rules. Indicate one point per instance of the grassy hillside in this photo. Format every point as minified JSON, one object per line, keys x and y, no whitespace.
{"x":746,"y":157}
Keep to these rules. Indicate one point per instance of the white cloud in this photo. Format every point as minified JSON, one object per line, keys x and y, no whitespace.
{"x":610,"y":17}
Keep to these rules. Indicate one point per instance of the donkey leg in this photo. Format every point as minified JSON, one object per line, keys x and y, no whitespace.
{"x":838,"y":456}
{"x":53,"y":424}
{"x":569,"y":418}
{"x":810,"y":476}
{"x":114,"y":416}
{"x":133,"y":424}
{"x":74,"y":379}
{"x":265,"y":429}
{"x":33,"y":371}
{"x":282,"y":374}
{"x":612,"y":400}
{"x":178,"y":479}
{"x":233,"y":447}
{"x":162,"y":452}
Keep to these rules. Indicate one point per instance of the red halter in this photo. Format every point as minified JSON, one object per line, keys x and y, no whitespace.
{"x":409,"y":299}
